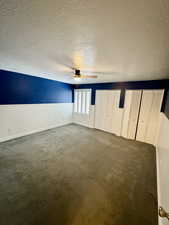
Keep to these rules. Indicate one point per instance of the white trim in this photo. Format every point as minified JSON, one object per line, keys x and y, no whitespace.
{"x":82,"y":89}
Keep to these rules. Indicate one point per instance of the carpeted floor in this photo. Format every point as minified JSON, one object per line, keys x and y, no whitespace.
{"x":74,"y":175}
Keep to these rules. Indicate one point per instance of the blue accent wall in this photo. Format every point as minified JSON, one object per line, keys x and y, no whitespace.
{"x":153,"y":84}
{"x":16,"y":88}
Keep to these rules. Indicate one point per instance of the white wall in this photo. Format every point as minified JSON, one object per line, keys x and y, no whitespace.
{"x":85,"y":120}
{"x":163,"y":166}
{"x":20,"y":120}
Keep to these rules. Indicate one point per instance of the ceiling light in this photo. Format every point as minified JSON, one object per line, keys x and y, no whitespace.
{"x":77,"y":78}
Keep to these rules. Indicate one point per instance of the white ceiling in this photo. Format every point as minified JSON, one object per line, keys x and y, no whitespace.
{"x":128,"y":39}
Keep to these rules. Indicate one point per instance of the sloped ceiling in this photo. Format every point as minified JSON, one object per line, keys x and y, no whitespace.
{"x":119,"y":40}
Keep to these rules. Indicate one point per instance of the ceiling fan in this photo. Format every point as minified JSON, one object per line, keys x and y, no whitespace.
{"x":77,"y":75}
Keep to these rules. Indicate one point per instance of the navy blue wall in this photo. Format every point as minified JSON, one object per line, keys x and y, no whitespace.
{"x":17,"y":88}
{"x":154,"y":84}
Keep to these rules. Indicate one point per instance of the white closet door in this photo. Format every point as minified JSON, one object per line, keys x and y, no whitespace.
{"x":131,"y":111}
{"x":111,"y":119}
{"x":107,"y":104}
{"x":116,"y":114}
{"x":100,"y":109}
{"x":107,"y":119}
{"x":134,"y":113}
{"x":148,"y":124}
{"x":127,"y":106}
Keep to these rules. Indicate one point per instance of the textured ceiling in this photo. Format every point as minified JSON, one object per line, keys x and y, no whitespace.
{"x":123,"y":40}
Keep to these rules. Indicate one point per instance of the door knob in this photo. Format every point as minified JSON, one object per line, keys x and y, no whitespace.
{"x":163,"y":213}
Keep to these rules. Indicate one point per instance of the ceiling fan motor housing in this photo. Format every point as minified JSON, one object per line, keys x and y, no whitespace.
{"x":77,"y":72}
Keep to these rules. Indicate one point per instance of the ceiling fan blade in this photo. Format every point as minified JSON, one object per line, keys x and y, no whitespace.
{"x":88,"y":76}
{"x":99,"y":72}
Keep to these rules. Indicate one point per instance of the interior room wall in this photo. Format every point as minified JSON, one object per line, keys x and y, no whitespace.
{"x":30,"y":104}
{"x":163,"y":160}
{"x":135,"y":85}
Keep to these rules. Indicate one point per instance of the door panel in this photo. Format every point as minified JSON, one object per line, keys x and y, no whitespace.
{"x":134,"y":113}
{"x":127,"y":105}
{"x":149,"y":116}
{"x":99,"y":109}
{"x":107,"y":105}
{"x":131,"y":111}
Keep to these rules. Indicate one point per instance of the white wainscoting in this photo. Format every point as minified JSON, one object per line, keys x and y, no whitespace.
{"x":84,"y":119}
{"x":20,"y":120}
{"x":163,"y":166}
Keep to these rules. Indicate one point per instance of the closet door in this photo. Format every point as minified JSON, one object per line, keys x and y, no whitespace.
{"x":107,"y":104}
{"x":100,"y":107}
{"x":108,"y":110}
{"x":148,"y":123}
{"x":116,"y":114}
{"x":131,"y":112}
{"x":111,"y":119}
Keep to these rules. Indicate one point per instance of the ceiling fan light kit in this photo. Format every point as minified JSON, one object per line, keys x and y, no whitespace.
{"x":77,"y":75}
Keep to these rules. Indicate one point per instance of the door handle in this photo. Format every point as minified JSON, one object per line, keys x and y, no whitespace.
{"x":163,"y":213}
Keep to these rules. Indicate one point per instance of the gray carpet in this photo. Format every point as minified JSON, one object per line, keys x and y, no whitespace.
{"x":74,"y":175}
